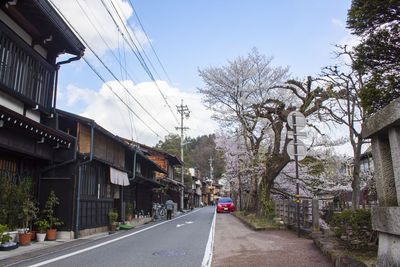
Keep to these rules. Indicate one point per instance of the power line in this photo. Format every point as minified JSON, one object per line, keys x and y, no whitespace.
{"x":134,"y":35}
{"x":104,"y":41}
{"x":116,"y":78}
{"x":147,"y":37}
{"x":98,"y":74}
{"x":127,"y":74}
{"x":101,"y":78}
{"x":137,"y":54}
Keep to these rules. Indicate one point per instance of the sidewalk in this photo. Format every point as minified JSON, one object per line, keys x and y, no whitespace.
{"x":40,"y":248}
{"x":237,"y":245}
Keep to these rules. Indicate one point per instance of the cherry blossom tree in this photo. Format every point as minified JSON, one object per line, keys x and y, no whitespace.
{"x":250,"y":95}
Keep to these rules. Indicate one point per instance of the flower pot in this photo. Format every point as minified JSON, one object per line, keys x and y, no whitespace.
{"x":40,"y":237}
{"x":13,"y":235}
{"x":33,"y":235}
{"x":24,"y":239}
{"x":51,"y":234}
{"x":8,"y":246}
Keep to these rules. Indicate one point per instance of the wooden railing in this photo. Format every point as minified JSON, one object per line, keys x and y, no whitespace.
{"x":286,"y":210}
{"x":310,"y":210}
{"x":23,"y":71}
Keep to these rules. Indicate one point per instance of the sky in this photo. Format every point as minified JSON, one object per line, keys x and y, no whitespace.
{"x":186,"y":36}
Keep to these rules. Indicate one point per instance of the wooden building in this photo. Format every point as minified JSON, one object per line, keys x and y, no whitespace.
{"x":32,"y":36}
{"x":167,"y":177}
{"x":143,"y":190}
{"x":89,"y":185}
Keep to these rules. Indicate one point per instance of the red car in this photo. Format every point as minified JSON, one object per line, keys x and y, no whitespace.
{"x":225,"y":204}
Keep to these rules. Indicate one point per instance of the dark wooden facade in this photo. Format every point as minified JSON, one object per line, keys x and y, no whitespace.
{"x":32,"y":36}
{"x":91,"y":189}
{"x":142,"y":192}
{"x":166,"y":178}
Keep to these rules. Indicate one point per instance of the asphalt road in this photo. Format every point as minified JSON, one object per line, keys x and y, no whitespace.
{"x":237,"y":245}
{"x":181,"y":241}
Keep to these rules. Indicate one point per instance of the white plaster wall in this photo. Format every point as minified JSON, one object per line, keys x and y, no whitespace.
{"x":17,"y":29}
{"x":40,"y":50}
{"x":21,"y":33}
{"x":33,"y":115}
{"x":11,"y":103}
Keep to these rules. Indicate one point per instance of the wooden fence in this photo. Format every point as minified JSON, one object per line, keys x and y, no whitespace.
{"x":310,"y":210}
{"x":286,"y":210}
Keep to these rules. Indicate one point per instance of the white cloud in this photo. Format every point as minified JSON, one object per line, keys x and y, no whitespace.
{"x":349,"y":39}
{"x":338,"y":22}
{"x":101,"y":19}
{"x":112,"y":114}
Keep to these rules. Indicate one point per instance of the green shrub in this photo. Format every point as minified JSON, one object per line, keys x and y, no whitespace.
{"x":49,"y":210}
{"x":42,"y":225}
{"x":268,"y":208}
{"x":14,"y":194}
{"x":128,"y":209}
{"x":353,"y":227}
{"x":112,"y":216}
{"x":4,"y":238}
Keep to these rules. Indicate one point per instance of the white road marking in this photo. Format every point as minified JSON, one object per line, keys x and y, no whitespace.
{"x":179,"y":225}
{"x":207,"y":259}
{"x":104,"y":243}
{"x":188,"y":222}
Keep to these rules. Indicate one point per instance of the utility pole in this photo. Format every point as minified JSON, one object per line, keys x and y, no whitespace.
{"x":184,"y":111}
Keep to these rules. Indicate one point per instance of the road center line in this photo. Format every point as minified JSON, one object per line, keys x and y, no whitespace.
{"x":105,"y":243}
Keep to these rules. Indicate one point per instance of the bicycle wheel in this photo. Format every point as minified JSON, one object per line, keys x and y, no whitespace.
{"x":162,"y":212}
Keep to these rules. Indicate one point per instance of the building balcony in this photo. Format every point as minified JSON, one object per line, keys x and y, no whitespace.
{"x":24,"y":73}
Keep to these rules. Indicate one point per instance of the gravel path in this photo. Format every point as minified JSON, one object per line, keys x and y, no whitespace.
{"x":237,"y":245}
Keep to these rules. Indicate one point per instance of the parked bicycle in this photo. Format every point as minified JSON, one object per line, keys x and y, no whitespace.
{"x":159,"y":211}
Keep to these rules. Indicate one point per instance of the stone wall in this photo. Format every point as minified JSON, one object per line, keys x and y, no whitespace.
{"x":383,"y":128}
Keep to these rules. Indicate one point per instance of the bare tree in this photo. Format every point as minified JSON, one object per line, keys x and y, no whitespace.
{"x":344,"y":108}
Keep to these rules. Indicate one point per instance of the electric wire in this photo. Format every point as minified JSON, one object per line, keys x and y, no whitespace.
{"x":101,"y":78}
{"x":134,"y":35}
{"x":138,"y":55}
{"x":116,"y":78}
{"x":147,"y":37}
{"x":117,"y":59}
{"x":115,"y":94}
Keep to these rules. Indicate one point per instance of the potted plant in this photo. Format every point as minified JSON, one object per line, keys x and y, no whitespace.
{"x":128,"y":211}
{"x":112,"y":217}
{"x":42,"y":227}
{"x":49,"y":213}
{"x":28,"y":212}
{"x":5,"y":239}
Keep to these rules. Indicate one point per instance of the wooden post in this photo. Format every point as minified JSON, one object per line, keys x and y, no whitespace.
{"x":305,"y":212}
{"x":315,"y":215}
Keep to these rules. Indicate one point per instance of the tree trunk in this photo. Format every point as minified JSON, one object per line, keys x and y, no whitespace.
{"x":355,"y":185}
{"x":254,"y":195}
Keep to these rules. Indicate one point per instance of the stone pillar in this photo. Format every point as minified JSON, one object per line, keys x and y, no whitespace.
{"x":383,"y":172}
{"x":394,"y":139}
{"x":315,"y":215}
{"x":383,"y":129}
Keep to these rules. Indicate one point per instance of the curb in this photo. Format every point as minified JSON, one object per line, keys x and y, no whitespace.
{"x":255,"y":228}
{"x":334,"y":254}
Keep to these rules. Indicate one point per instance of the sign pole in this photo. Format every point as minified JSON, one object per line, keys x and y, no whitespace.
{"x":297,"y":151}
{"x":297,"y":175}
